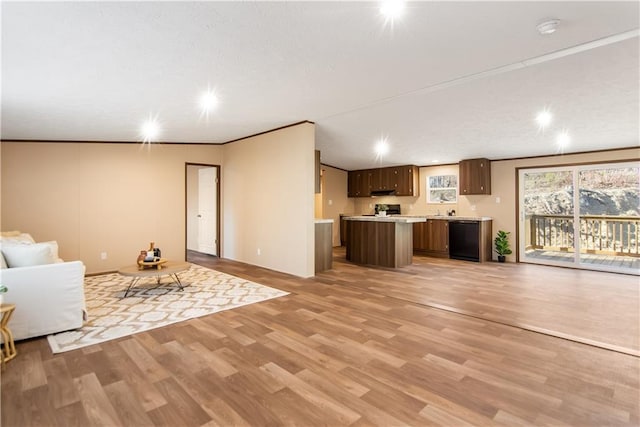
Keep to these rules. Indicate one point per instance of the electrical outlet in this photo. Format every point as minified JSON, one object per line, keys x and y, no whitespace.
{"x":103,"y":256}
{"x":498,"y":200}
{"x":258,"y":251}
{"x":473,"y":207}
{"x":330,"y":202}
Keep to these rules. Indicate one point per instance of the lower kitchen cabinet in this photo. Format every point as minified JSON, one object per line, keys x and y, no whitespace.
{"x":431,"y":237}
{"x":343,"y":230}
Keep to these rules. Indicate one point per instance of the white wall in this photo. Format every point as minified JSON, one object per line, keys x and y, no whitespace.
{"x":268,"y":200}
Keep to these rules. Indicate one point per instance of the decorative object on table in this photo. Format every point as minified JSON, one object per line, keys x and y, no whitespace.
{"x":382,"y":210}
{"x":8,"y":350}
{"x":150,"y":258}
{"x":153,"y":254}
{"x":152,"y":264}
{"x":501,"y":243}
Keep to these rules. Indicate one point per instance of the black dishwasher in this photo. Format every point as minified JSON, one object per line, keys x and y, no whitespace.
{"x":464,"y":240}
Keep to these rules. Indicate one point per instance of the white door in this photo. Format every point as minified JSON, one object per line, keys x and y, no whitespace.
{"x":207,"y":198}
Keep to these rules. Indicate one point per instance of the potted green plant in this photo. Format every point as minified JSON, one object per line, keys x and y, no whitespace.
{"x":382,"y":209}
{"x":501,"y":243}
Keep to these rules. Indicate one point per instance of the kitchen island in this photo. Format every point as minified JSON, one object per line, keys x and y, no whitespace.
{"x":380,"y":240}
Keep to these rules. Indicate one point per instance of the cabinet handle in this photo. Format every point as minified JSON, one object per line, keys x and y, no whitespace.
{"x":481,"y":187}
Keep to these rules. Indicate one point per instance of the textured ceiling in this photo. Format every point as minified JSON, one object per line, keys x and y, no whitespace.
{"x":451,"y":80}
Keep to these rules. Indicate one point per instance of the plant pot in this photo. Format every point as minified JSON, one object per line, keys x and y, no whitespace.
{"x":501,"y":258}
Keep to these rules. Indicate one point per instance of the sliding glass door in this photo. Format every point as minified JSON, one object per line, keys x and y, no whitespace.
{"x":586,"y":216}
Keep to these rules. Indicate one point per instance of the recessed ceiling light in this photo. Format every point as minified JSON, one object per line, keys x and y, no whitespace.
{"x":208,"y":101}
{"x":548,"y":27}
{"x":543,"y":119}
{"x":563,"y":139}
{"x":392,"y":9}
{"x":150,"y":130}
{"x":382,"y":147}
{"x":435,"y":161}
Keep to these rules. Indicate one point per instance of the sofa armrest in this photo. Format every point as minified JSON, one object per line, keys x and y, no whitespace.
{"x":49,"y":298}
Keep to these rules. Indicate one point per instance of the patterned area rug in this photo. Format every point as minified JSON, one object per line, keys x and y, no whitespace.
{"x":149,"y":306}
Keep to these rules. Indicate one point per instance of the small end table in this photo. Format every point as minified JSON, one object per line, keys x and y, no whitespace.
{"x":8,"y":352}
{"x":168,"y":268}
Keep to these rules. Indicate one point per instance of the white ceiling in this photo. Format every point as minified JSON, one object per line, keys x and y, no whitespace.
{"x":450,"y":81}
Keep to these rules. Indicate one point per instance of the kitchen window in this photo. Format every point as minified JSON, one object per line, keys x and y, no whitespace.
{"x":442,"y":189}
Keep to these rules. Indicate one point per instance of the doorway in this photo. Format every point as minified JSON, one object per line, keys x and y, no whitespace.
{"x":584,"y":216}
{"x":202,"y":213}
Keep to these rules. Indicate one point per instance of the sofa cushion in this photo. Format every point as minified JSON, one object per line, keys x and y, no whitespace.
{"x":25,"y":255}
{"x":17,"y":238}
{"x":9,"y":233}
{"x":53,"y":245}
{"x":3,"y":263}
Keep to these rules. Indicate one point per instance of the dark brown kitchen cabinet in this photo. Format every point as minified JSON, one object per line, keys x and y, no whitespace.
{"x":343,"y":230}
{"x":432,"y":237}
{"x":475,"y":176}
{"x":379,"y":179}
{"x":358,"y":184}
{"x":404,"y":180}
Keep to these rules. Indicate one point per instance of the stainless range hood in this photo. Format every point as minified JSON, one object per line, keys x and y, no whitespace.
{"x":375,"y":193}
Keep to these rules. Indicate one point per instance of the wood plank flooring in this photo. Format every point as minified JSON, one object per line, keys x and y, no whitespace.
{"x":344,"y":348}
{"x":587,"y":306}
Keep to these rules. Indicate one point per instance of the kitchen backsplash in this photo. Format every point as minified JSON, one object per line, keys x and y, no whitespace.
{"x":408,"y":205}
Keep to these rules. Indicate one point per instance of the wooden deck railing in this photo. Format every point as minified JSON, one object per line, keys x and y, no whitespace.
{"x":618,"y":235}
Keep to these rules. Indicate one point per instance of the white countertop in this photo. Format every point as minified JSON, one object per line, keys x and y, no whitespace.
{"x":403,"y":219}
{"x":323,"y":221}
{"x":454,"y":218}
{"x":426,"y":217}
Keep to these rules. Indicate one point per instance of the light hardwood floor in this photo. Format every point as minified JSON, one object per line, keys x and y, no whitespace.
{"x":352,"y":346}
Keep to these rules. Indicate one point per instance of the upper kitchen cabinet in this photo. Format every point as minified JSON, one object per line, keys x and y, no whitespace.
{"x":475,"y":176}
{"x":405,"y":180}
{"x":358,"y":184}
{"x":379,"y":179}
{"x":397,"y":180}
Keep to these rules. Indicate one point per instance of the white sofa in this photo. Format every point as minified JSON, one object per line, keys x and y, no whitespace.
{"x":49,"y":298}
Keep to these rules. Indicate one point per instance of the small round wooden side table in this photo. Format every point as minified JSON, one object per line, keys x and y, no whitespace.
{"x":8,"y":350}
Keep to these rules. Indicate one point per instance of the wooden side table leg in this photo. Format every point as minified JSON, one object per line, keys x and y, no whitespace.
{"x":2,"y":350}
{"x":9,"y":349}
